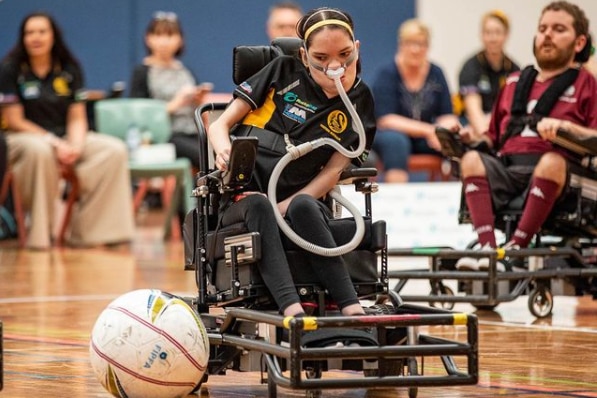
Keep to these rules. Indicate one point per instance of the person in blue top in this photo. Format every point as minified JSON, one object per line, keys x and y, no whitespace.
{"x":411,"y":97}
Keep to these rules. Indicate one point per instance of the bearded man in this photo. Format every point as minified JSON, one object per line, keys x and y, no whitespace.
{"x":531,"y":108}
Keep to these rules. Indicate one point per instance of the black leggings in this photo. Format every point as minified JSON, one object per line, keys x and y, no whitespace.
{"x":309,"y":219}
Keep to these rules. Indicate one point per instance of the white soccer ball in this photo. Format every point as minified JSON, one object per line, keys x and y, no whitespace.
{"x":149,"y":344}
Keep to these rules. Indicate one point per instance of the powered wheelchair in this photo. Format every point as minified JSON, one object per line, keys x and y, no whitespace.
{"x":562,"y":258}
{"x":246,"y":332}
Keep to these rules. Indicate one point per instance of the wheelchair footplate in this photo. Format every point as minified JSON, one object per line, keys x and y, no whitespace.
{"x":289,"y":346}
{"x":547,"y":271}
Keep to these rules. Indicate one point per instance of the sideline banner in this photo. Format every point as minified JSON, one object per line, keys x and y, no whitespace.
{"x":417,"y":214}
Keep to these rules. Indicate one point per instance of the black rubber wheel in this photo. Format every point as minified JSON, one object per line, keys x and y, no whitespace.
{"x":485,"y":307}
{"x":313,"y":393}
{"x":203,"y":380}
{"x":272,"y":391}
{"x":541,"y":302}
{"x":412,"y":371}
{"x":386,"y":367}
{"x":313,"y":373}
{"x":441,"y":290}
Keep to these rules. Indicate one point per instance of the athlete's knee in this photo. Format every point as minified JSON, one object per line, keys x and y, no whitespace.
{"x":301,"y":205}
{"x":472,"y":165}
{"x":551,"y":166}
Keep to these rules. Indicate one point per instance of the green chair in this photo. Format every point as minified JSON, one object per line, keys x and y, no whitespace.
{"x":115,"y":116}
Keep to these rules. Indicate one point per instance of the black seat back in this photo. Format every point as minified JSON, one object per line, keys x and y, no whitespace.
{"x":248,"y":60}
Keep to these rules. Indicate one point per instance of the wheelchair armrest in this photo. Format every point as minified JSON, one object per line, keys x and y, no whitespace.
{"x":584,"y":146}
{"x":452,"y":146}
{"x":349,"y":176}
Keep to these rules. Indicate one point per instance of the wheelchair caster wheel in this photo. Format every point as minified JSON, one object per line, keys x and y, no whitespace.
{"x":412,"y":371}
{"x":313,"y":373}
{"x":203,"y":380}
{"x":485,"y":307}
{"x":541,"y":302}
{"x":438,"y":291}
{"x":272,"y":391}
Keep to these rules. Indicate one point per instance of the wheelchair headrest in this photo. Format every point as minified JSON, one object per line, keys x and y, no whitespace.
{"x":586,"y":52}
{"x":248,"y":60}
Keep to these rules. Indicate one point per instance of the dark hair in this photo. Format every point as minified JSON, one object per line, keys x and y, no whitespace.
{"x":61,"y":54}
{"x":322,"y":14}
{"x":165,"y":23}
{"x":580,"y":23}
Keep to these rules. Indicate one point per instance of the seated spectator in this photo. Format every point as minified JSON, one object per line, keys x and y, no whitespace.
{"x":560,"y":95}
{"x":411,"y":96}
{"x":47,"y":130}
{"x":484,"y":74}
{"x":282,"y":19}
{"x":163,"y":76}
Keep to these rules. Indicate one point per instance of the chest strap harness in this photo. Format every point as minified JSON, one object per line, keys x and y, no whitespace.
{"x":519,"y":118}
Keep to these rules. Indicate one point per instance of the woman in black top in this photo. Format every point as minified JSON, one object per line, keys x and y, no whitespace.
{"x":484,"y":74}
{"x":46,"y":122}
{"x":293,"y":99}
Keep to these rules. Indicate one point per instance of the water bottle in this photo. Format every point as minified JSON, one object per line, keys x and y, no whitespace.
{"x":146,"y":136}
{"x":133,"y":140}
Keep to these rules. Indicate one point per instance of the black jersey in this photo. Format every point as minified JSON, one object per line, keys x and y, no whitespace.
{"x":478,"y":77}
{"x":45,"y":101}
{"x":286,"y":101}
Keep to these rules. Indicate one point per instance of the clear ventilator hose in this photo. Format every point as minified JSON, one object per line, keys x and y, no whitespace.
{"x":295,"y":152}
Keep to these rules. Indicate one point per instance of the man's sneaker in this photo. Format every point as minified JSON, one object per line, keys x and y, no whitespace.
{"x":516,"y":263}
{"x":508,"y":264}
{"x":500,"y":265}
{"x":472,"y":263}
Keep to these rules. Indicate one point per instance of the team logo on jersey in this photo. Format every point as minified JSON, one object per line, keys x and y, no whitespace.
{"x":293,"y":98}
{"x":336,"y":124}
{"x":295,"y":113}
{"x":246,"y":87}
{"x":60,"y":85}
{"x":289,"y":87}
{"x":30,"y":90}
{"x":568,"y":95}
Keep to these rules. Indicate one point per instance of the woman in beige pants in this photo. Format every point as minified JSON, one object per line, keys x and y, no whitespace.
{"x":47,"y":129}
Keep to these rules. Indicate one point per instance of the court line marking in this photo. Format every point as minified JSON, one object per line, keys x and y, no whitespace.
{"x":541,"y":327}
{"x":82,"y":297}
{"x":47,"y":299}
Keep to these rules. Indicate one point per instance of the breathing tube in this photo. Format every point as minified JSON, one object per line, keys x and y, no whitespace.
{"x":295,"y":152}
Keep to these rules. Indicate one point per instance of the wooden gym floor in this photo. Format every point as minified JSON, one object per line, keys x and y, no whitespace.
{"x":50,"y":300}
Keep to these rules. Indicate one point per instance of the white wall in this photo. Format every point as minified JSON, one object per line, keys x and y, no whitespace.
{"x":455,"y":26}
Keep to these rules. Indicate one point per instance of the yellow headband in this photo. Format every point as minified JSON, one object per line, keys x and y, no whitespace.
{"x":329,"y":22}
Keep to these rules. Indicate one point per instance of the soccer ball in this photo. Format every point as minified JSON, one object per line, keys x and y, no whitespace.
{"x":149,"y":344}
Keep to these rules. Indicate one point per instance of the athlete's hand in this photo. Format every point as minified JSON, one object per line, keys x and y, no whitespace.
{"x":223,"y":159}
{"x":548,"y":128}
